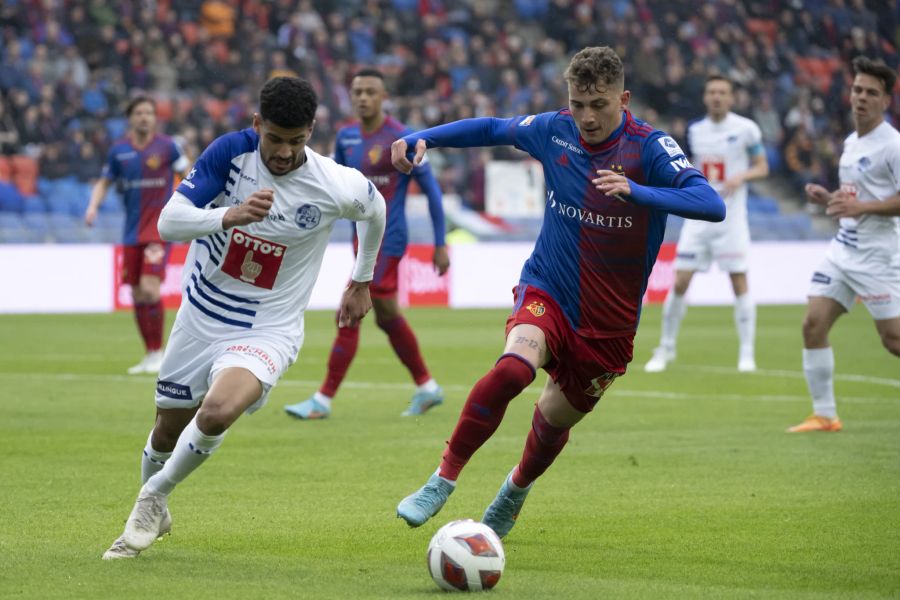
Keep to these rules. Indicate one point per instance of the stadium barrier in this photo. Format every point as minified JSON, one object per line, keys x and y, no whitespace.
{"x":83,"y":278}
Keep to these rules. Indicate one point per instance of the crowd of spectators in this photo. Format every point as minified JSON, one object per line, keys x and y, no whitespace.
{"x":67,"y":67}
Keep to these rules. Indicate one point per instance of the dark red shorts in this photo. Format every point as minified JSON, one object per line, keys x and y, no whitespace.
{"x":144,"y":259}
{"x":582,"y":367}
{"x":384,"y":284}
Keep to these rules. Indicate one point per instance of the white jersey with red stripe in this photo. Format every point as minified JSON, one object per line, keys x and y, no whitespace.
{"x":869,"y":169}
{"x":259,"y":277}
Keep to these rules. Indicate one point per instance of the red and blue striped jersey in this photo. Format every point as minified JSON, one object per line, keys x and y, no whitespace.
{"x":595,"y":252}
{"x":144,"y":177}
{"x":370,"y":153}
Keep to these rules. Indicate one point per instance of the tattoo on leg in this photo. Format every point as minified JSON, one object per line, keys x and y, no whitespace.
{"x":524,"y":340}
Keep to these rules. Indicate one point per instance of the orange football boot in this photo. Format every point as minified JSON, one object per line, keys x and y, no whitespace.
{"x":817,"y":423}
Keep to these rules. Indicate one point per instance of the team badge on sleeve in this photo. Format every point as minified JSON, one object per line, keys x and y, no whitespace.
{"x":670,"y":146}
{"x":536,"y":308}
{"x":527,"y":121}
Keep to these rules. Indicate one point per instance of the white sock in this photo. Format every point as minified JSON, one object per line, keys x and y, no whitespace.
{"x":745,"y":321}
{"x":322,"y":399}
{"x":450,"y":481}
{"x":818,"y":366}
{"x":152,"y":460}
{"x":429,"y":386}
{"x":193,"y":447}
{"x":674,"y":309}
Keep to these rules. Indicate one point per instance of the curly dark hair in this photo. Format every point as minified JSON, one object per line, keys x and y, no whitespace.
{"x":593,"y":66}
{"x":288,"y":102}
{"x":134,"y":102}
{"x":877,"y":69}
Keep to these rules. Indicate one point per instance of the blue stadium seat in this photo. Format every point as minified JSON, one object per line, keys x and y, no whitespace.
{"x":67,"y":229}
{"x":37,"y":223}
{"x":762,"y":204}
{"x":34,"y":204}
{"x":11,"y":200}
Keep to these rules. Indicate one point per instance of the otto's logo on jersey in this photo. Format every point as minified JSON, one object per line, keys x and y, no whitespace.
{"x":153,"y":161}
{"x":308,"y":216}
{"x":252,"y":259}
{"x":670,"y":146}
{"x":536,"y":308}
{"x":375,"y":153}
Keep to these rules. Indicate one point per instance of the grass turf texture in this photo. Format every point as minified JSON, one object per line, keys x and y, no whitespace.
{"x":681,"y":484}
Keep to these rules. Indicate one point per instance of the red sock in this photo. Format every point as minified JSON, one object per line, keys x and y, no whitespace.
{"x":342,"y":353}
{"x":150,"y":317}
{"x":156,"y":319}
{"x":406,"y":346}
{"x":544,"y":444}
{"x":484,"y":410}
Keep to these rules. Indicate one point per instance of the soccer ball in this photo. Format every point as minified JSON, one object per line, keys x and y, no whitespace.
{"x":465,"y":556}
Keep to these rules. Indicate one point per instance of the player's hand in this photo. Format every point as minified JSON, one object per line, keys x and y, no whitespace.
{"x":440,"y":259}
{"x":816,"y":194}
{"x":731,"y":185}
{"x":843,"y":204}
{"x":90,"y":216}
{"x":253,"y":209}
{"x":355,"y":303}
{"x":612,"y":184}
{"x":399,"y":159}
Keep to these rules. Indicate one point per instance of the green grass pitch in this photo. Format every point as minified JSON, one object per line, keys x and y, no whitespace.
{"x":680,"y":485}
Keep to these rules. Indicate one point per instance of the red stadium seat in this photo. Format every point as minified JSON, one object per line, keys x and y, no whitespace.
{"x":24,"y":165}
{"x":5,"y":168}
{"x":26,"y":183}
{"x":215,"y":108}
{"x":164,"y":109}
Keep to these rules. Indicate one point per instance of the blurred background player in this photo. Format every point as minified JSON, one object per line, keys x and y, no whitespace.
{"x":863,"y":259}
{"x":611,"y":181}
{"x":728,"y":149}
{"x":366,"y":145}
{"x":142,"y":164}
{"x":259,"y":206}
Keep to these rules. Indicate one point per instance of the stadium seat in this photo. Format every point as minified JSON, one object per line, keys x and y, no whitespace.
{"x":33,"y":204}
{"x":5,"y":168}
{"x":11,"y":199}
{"x":215,"y":108}
{"x":24,"y":165}
{"x":67,"y":229}
{"x":762,"y":205}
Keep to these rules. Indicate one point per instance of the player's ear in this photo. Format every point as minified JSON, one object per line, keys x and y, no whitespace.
{"x":625,"y":97}
{"x":257,"y":122}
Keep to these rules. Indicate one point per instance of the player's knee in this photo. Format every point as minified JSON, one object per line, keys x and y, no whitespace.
{"x":514,"y":373}
{"x":891,"y":341}
{"x":814,"y":331}
{"x":215,"y":417}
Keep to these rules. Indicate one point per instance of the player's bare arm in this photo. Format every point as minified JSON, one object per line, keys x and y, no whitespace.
{"x":399,"y":159}
{"x":355,"y":303}
{"x":253,"y":209}
{"x":440,"y":259}
{"x":98,"y":193}
{"x":843,"y":204}
{"x":758,"y":170}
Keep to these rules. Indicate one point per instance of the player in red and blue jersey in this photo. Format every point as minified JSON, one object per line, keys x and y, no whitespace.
{"x":142,"y":165}
{"x":612,"y":180}
{"x":365,"y":146}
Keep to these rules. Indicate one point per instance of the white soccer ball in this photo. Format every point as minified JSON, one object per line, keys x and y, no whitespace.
{"x":466,"y":556}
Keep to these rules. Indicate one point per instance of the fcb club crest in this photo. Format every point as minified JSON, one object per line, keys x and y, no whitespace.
{"x":375,"y":154}
{"x":153,"y":161}
{"x":536,"y":308}
{"x":308,"y":216}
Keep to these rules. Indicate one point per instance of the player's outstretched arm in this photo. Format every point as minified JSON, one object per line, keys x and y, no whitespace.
{"x":466,"y":133}
{"x":181,"y":221}
{"x":693,"y":199}
{"x":98,"y":193}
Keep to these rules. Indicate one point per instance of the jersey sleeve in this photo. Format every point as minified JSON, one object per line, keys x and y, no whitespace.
{"x":664,"y":162}
{"x":892,"y":159}
{"x":365,"y":205}
{"x":424,"y":176}
{"x":754,"y":143}
{"x":111,"y":168}
{"x":523,"y":132}
{"x":339,"y":156}
{"x":210,"y":173}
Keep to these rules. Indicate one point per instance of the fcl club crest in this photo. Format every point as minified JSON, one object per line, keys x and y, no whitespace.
{"x":374,"y":154}
{"x":154,"y":161}
{"x":536,"y":308}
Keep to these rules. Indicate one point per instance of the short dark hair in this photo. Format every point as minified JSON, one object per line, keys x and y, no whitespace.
{"x":288,"y":102}
{"x":719,"y":77}
{"x":369,"y":72}
{"x":877,"y":69}
{"x":594,"y":64}
{"x":134,"y":102}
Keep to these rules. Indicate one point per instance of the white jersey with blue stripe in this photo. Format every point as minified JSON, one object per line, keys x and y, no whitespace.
{"x":721,"y":150}
{"x":259,"y":277}
{"x":869,"y":169}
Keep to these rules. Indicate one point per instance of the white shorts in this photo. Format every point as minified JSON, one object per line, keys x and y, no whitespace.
{"x":878,"y":290}
{"x":190,"y":365}
{"x":702,"y":243}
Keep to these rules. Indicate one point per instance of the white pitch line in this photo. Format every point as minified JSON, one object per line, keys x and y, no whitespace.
{"x":797,"y":375}
{"x":464,"y":389}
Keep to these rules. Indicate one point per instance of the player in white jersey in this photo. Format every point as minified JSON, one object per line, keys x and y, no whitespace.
{"x":259,"y":206}
{"x":863,"y":259}
{"x":728,"y":149}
